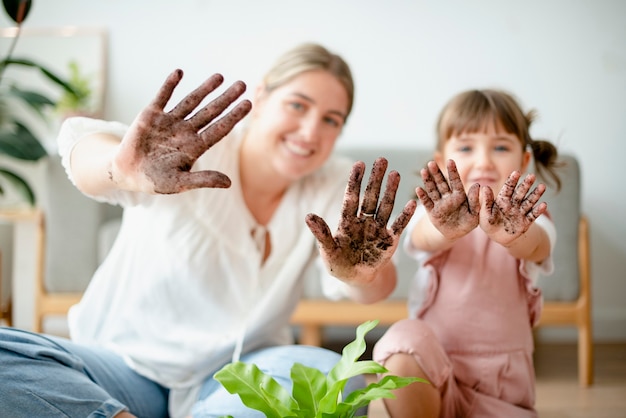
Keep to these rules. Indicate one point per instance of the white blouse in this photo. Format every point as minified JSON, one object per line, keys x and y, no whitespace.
{"x":184,"y":281}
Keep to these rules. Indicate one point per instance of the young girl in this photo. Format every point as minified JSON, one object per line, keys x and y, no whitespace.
{"x":200,"y":275}
{"x":473,"y":302}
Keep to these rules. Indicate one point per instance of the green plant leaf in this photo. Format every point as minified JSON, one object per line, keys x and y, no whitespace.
{"x":21,"y":144}
{"x":82,"y":87}
{"x":309,"y":385}
{"x":36,"y":101}
{"x":350,"y":354}
{"x":20,"y":185}
{"x":67,"y":87}
{"x":17,"y":9}
{"x":348,"y":367}
{"x":378,"y":390}
{"x":257,"y":390}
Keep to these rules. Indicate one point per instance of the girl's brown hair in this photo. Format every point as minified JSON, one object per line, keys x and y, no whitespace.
{"x":473,"y":110}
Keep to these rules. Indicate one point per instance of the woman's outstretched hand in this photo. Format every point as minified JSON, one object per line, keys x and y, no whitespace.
{"x":450,"y":210}
{"x":363,"y":242}
{"x":513,"y":211}
{"x":158,"y":151}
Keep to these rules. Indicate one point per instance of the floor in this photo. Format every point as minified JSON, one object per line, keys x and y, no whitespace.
{"x":558,"y":392}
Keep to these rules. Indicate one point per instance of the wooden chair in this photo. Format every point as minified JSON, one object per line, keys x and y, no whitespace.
{"x":567,"y":292}
{"x":37,"y":218}
{"x":72,"y":225}
{"x":48,"y":303}
{"x":5,"y":308}
{"x":577,"y":313}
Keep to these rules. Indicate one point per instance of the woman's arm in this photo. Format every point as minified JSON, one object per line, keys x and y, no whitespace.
{"x":360,"y":251}
{"x":90,"y":163}
{"x":158,"y":151}
{"x":376,"y":288}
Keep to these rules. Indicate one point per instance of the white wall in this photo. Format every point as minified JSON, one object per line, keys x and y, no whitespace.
{"x":566,"y":58}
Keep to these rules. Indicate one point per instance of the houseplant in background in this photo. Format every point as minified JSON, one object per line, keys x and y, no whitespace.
{"x":314,"y":395}
{"x":19,"y":103}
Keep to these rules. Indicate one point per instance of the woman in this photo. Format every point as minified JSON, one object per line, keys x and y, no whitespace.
{"x":198,"y":275}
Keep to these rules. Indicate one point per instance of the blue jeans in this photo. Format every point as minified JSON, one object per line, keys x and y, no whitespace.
{"x":44,"y":376}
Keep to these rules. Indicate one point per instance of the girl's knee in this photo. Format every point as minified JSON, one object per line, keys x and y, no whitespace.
{"x":406,"y":336}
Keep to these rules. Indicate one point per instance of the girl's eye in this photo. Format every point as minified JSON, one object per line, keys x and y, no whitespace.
{"x":502,"y":148}
{"x":465,"y":148}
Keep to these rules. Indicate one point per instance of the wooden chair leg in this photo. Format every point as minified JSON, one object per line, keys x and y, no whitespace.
{"x":311,"y":335}
{"x":7,"y":314}
{"x":585,"y":356}
{"x":585,"y":334}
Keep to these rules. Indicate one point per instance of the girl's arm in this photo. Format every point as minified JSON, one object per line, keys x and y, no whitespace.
{"x":426,"y":237}
{"x":451,"y":212}
{"x":532,"y":245}
{"x":509,"y":219}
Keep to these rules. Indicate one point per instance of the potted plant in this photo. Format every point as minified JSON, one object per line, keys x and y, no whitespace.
{"x":17,"y":140}
{"x":313,"y":395}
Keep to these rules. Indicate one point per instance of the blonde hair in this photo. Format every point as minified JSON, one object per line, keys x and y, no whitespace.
{"x":310,"y":57}
{"x":473,"y":110}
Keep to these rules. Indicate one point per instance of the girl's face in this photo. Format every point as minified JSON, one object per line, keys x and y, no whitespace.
{"x":296,"y":125}
{"x":487,"y":157}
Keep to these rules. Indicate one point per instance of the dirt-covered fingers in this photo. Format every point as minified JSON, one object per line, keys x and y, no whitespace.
{"x":456,"y":184}
{"x":191,"y":101}
{"x":207,"y":178}
{"x":440,"y":179}
{"x":221,"y":127}
{"x":473,"y":198}
{"x":433,"y":179}
{"x":374,"y":185}
{"x":320,"y":230}
{"x":352,"y":193}
{"x":167,"y":88}
{"x":385,"y":208}
{"x":423,"y":197}
{"x":217,"y":106}
{"x":509,"y":186}
{"x":488,"y":206}
{"x":403,"y":218}
{"x":529,"y":204}
{"x":537,"y":211}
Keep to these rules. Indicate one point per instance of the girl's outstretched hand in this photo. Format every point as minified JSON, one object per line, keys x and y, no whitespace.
{"x":513,"y":211}
{"x":158,"y":151}
{"x":362,"y":243}
{"x":449,"y":209}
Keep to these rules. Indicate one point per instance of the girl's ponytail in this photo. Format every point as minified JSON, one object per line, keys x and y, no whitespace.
{"x":545,"y":155}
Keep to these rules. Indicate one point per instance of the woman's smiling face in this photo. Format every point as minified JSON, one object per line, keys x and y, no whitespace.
{"x":299,"y":122}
